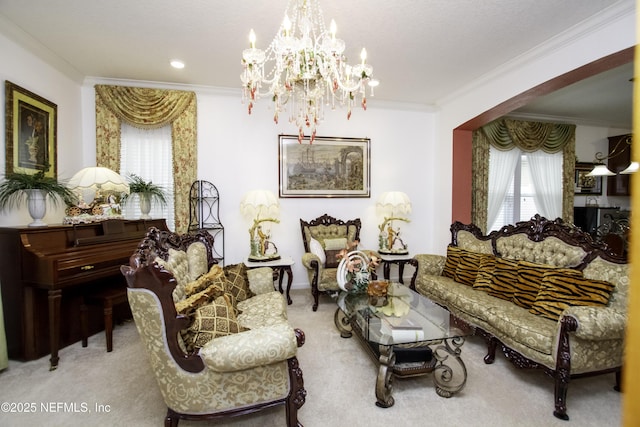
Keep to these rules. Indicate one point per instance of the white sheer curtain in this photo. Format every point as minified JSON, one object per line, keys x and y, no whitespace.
{"x":502,"y":165}
{"x":147,"y":153}
{"x":546,"y":174}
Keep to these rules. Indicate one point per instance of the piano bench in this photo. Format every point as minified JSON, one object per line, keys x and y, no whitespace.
{"x":107,"y":299}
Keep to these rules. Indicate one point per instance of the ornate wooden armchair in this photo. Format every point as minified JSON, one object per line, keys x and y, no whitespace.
{"x":323,"y":238}
{"x":230,"y":375}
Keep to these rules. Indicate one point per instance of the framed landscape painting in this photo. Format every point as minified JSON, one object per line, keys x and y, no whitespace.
{"x":328,"y":167}
{"x":31,"y":126}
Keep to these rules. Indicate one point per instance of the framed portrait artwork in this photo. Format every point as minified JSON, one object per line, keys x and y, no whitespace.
{"x":328,"y":167}
{"x":31,"y":127}
{"x":587,"y":184}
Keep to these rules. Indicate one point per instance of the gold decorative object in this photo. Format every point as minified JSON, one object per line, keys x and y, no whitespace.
{"x":377,"y":291}
{"x":392,"y":206}
{"x":255,"y":204}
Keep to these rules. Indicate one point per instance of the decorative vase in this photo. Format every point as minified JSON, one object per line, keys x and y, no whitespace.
{"x":145,"y":206}
{"x":36,"y":202}
{"x":377,"y":291}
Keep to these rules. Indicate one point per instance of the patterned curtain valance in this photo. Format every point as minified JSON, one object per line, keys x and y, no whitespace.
{"x":148,"y":109}
{"x":504,"y":134}
{"x":143,"y":107}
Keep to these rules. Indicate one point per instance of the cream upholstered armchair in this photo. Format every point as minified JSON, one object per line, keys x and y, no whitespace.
{"x":232,"y":374}
{"x":323,"y":238}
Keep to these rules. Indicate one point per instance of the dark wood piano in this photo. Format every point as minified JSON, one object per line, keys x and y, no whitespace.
{"x":44,"y":272}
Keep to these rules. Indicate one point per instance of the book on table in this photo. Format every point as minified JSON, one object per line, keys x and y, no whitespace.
{"x":402,"y":329}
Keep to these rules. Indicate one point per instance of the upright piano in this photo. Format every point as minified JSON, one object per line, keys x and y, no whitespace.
{"x":44,"y":272}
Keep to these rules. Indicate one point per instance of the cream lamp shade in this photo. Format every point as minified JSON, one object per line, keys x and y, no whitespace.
{"x":393,"y":203}
{"x":600,"y":170}
{"x":89,"y":180}
{"x":258,"y":204}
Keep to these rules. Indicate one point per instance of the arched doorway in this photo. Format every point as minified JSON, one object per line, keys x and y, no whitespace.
{"x":462,"y":135}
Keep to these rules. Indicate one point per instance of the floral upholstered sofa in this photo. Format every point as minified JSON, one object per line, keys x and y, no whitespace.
{"x":543,"y":291}
{"x":217,"y":338}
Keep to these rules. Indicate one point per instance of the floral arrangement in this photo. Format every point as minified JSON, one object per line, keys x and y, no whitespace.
{"x":356,"y":267}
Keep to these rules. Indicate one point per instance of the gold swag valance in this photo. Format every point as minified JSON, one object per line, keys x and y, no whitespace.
{"x":148,"y":109}
{"x":504,"y":134}
{"x":143,"y":107}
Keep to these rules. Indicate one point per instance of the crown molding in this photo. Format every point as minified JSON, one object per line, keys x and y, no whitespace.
{"x":603,"y":19}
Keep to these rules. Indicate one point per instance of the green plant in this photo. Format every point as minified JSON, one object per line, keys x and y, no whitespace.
{"x":139,"y":186}
{"x":13,"y":190}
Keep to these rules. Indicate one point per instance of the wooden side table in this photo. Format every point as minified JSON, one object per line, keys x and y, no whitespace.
{"x":400,"y":260}
{"x":280,"y":267}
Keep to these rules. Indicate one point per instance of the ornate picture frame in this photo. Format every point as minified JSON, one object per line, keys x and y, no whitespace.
{"x":31,"y":132}
{"x":587,"y":185}
{"x":328,"y":167}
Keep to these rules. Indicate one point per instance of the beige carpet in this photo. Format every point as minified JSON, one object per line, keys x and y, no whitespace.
{"x":339,"y":379}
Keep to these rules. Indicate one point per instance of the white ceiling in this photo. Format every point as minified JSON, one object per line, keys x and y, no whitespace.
{"x":421,"y":51}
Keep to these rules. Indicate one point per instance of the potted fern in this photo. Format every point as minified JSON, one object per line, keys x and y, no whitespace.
{"x":34,"y":189}
{"x":147,"y":193}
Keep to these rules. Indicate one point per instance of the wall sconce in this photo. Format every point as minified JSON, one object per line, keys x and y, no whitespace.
{"x":601,"y":169}
{"x":261,"y":206}
{"x":392,"y":206}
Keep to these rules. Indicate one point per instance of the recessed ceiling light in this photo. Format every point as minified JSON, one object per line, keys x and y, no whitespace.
{"x":177,"y":64}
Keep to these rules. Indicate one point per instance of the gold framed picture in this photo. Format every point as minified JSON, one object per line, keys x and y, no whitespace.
{"x":585,"y":184}
{"x":326,"y":167}
{"x":31,"y":128}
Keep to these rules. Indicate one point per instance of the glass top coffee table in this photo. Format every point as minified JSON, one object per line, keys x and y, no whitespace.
{"x":408,"y":336}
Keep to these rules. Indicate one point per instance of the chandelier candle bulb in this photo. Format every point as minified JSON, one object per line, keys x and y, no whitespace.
{"x":252,"y":39}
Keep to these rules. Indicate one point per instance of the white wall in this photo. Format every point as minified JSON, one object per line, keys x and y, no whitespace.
{"x":29,"y":72}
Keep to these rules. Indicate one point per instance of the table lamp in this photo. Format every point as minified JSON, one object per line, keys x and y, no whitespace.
{"x":261,"y":206}
{"x":91,"y":183}
{"x":392,"y":206}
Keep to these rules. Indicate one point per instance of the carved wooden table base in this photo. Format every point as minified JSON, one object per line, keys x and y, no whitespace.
{"x":449,"y":371}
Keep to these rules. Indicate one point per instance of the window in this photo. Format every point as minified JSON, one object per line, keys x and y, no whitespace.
{"x":523,"y":184}
{"x":147,"y":153}
{"x":519,"y":201}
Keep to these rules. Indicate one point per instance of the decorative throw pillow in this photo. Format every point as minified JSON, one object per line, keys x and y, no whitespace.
{"x":204,"y":281}
{"x":332,"y":247}
{"x":237,"y":282}
{"x":335,"y":244}
{"x":316,"y":248}
{"x":560,"y":291}
{"x":467,"y":268}
{"x":505,"y":275}
{"x":485,"y":273}
{"x":453,"y":258}
{"x":530,"y":276}
{"x":210,"y":321}
{"x":529,"y":281}
{"x":190,"y":304}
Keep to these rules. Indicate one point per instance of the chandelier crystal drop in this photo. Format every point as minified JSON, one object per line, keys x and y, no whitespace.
{"x":305,"y":69}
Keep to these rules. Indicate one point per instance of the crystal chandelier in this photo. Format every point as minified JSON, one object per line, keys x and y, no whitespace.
{"x":304,"y":67}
